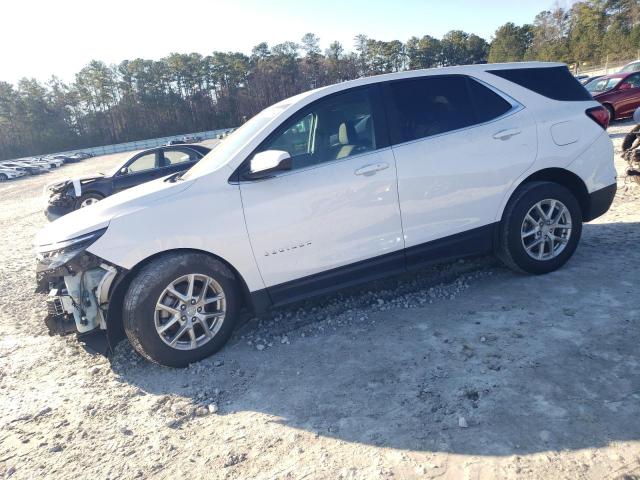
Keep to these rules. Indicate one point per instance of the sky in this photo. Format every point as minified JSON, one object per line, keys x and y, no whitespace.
{"x":40,"y":38}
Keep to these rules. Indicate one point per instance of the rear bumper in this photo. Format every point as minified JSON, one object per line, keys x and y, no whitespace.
{"x":600,"y":201}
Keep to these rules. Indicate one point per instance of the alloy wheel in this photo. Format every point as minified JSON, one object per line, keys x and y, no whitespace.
{"x":190,"y":311}
{"x":546,"y":229}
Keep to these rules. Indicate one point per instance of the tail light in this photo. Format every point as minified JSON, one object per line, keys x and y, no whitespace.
{"x":600,"y":115}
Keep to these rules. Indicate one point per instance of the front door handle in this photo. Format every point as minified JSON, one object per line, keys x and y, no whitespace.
{"x":371,"y":168}
{"x":507,"y":134}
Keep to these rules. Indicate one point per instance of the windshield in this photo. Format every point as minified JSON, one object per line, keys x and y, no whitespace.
{"x":225,"y":150}
{"x":602,"y":84}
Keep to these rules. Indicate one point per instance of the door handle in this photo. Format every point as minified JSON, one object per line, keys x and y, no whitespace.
{"x":507,"y":134}
{"x":371,"y":168}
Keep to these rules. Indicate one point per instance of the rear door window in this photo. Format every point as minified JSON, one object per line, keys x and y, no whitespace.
{"x":633,"y":80}
{"x":176,"y":156}
{"x":433,"y":105}
{"x":428,"y":106}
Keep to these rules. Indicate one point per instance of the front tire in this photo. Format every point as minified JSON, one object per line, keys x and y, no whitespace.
{"x":612,"y":112}
{"x":181,"y":308}
{"x":88,"y":199}
{"x":3,"y":177}
{"x":540,"y":228}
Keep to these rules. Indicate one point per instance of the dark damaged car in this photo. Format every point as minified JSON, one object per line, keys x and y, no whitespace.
{"x":134,"y":169}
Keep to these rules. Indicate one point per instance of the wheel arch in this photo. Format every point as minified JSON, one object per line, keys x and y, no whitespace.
{"x":115,"y":328}
{"x":561,"y":176}
{"x":94,"y":191}
{"x":608,"y":106}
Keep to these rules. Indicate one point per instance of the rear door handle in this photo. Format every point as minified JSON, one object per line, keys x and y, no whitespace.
{"x":507,"y":134}
{"x":371,"y":168}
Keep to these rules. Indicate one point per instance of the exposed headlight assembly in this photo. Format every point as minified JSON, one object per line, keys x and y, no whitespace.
{"x":57,"y":254}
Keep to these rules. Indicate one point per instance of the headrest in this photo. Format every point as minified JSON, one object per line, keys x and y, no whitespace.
{"x":346,"y":134}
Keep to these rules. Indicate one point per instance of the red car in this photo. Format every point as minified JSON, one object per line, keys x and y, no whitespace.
{"x":619,"y":93}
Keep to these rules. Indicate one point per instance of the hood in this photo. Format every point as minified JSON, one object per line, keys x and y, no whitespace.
{"x":75,"y":183}
{"x":99,"y":215}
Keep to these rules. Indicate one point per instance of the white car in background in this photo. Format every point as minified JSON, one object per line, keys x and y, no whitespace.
{"x":334,"y":187}
{"x":7,"y":173}
{"x":39,"y":163}
{"x":27,"y":167}
{"x":631,"y":67}
{"x":51,"y":162}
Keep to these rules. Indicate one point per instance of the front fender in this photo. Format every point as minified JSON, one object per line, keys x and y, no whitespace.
{"x":207,"y":217}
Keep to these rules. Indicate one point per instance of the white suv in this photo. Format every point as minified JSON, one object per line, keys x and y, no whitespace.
{"x":333,"y":187}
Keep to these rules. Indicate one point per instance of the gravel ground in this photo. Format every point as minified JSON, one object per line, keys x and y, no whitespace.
{"x":465,"y":370}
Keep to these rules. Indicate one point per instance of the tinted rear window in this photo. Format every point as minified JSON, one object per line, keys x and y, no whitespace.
{"x":556,"y":83}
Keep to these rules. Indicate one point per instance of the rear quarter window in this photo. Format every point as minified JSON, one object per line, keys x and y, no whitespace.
{"x":555,"y":83}
{"x":487,"y":103}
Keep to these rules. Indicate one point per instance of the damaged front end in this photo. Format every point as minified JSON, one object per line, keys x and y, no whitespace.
{"x":78,"y":284}
{"x":59,"y":199}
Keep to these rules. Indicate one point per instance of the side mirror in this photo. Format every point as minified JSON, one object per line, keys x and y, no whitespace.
{"x":265,"y":164}
{"x":124,"y":170}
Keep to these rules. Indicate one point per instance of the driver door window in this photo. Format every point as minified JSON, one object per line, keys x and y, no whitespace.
{"x":633,"y":81}
{"x":337,"y":128}
{"x":145,"y":162}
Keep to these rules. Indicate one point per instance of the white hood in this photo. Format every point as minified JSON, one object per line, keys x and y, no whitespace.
{"x":98,"y":215}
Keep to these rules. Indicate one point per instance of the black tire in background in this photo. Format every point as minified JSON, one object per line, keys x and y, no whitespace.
{"x":146,"y":288}
{"x":3,"y":177}
{"x":509,"y":246}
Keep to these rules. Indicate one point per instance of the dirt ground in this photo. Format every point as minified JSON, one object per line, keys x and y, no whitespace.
{"x":466,"y":370}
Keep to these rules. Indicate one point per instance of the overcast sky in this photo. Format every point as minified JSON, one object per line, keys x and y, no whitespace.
{"x":44,"y":37}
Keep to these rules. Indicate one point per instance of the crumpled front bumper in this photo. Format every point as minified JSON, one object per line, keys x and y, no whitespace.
{"x":78,"y":293}
{"x":58,"y":204}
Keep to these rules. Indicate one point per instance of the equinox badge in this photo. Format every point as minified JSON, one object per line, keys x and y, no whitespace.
{"x":287,"y":249}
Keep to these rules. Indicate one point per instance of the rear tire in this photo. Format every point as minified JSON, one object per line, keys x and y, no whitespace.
{"x":154,"y":330}
{"x":533,"y":217}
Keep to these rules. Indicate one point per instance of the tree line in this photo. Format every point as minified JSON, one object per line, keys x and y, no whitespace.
{"x":589,"y":33}
{"x":182,"y":93}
